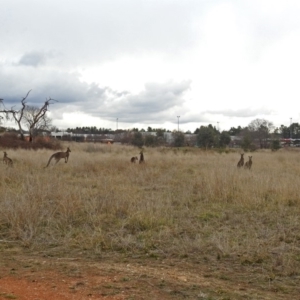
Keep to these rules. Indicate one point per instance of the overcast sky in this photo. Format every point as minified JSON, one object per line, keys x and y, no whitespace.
{"x":145,"y":62}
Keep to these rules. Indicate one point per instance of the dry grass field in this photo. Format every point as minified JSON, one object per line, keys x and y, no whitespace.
{"x":229,"y":233}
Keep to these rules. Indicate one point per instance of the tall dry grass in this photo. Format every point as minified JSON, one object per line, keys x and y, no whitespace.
{"x":182,"y":203}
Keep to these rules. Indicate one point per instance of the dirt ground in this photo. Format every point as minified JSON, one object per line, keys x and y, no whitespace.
{"x":28,"y":276}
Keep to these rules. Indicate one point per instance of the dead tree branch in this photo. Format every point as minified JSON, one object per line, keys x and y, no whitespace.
{"x":18,"y":115}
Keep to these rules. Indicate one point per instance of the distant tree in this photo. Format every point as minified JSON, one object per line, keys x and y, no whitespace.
{"x":235,"y":131}
{"x":150,"y":140}
{"x":126,"y":138}
{"x":149,"y":129}
{"x":196,"y":131}
{"x":260,"y":129}
{"x":224,"y":139}
{"x":178,"y":139}
{"x":276,"y":133}
{"x":285,"y":131}
{"x":91,"y":130}
{"x":247,"y":140}
{"x":275,"y":145}
{"x":160,"y":138}
{"x":246,"y":143}
{"x":208,"y":136}
{"x":160,"y":133}
{"x":295,"y":130}
{"x":55,"y":129}
{"x":282,"y":131}
{"x":137,"y":139}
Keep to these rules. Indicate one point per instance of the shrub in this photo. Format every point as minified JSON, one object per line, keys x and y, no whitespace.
{"x":11,"y":140}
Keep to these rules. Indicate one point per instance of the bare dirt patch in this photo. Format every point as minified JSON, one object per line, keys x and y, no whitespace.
{"x":32,"y":277}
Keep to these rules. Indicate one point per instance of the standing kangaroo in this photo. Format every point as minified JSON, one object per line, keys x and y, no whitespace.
{"x":59,"y":155}
{"x":248,"y":164}
{"x":7,"y":160}
{"x":241,"y":161}
{"x":142,"y":160}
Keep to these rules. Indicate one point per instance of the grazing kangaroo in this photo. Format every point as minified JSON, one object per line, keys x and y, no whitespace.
{"x":134,"y":159}
{"x":142,"y":160}
{"x":59,"y":155}
{"x":7,"y":160}
{"x":248,"y":164}
{"x":241,"y":161}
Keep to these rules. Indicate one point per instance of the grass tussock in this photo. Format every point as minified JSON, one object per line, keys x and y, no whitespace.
{"x":183,"y":203}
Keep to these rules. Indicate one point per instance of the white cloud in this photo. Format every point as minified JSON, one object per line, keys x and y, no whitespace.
{"x":146,"y":62}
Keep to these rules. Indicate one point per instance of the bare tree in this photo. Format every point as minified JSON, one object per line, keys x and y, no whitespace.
{"x":34,"y":122}
{"x":34,"y":116}
{"x":16,"y":114}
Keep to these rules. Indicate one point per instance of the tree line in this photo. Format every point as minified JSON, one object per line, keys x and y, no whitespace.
{"x":260,"y":133}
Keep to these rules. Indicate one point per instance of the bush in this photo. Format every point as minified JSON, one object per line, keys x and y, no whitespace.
{"x":11,"y":140}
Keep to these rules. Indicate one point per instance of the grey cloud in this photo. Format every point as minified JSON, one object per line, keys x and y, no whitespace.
{"x":154,"y":104}
{"x":18,"y":80}
{"x":160,"y":97}
{"x":157,"y":103}
{"x":32,"y":59}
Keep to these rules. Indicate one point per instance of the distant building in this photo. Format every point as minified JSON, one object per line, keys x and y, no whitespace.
{"x":235,"y":141}
{"x":168,"y":137}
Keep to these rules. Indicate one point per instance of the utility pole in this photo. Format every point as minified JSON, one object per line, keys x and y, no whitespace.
{"x":178,"y":122}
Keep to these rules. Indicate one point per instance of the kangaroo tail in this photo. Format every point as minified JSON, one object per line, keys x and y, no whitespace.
{"x":49,"y":160}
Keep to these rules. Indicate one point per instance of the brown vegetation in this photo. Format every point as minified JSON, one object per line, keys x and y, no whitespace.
{"x":12,"y":141}
{"x":191,"y":210}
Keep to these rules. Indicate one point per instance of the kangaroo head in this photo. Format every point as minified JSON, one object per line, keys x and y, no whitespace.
{"x":68,"y":149}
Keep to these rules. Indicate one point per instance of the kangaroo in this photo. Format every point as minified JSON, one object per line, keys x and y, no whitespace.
{"x":248,"y":164}
{"x":7,"y":160}
{"x":142,"y":160}
{"x":134,"y":159}
{"x":59,"y":155}
{"x":241,"y":161}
